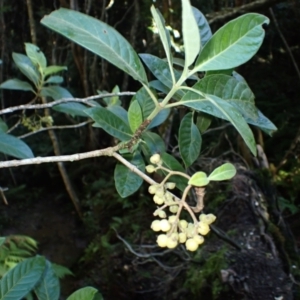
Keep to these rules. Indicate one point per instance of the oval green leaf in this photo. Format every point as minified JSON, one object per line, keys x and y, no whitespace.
{"x":189,"y":140}
{"x":163,"y":33}
{"x":233,"y":44}
{"x":20,"y":280}
{"x":36,"y":56}
{"x":86,"y":293}
{"x":15,"y":147}
{"x":219,"y":108}
{"x":160,"y":69}
{"x":153,"y":143}
{"x":199,"y":179}
{"x":55,"y":79}
{"x":204,"y":28}
{"x":99,"y":38}
{"x":71,"y":108}
{"x":16,"y":84}
{"x":263,"y":123}
{"x":25,"y":65}
{"x":53,"y":69}
{"x":110,"y":123}
{"x":190,"y":32}
{"x":135,"y":117}
{"x":55,"y":92}
{"x":235,"y":92}
{"x":48,"y":287}
{"x":126,"y":181}
{"x":224,"y":172}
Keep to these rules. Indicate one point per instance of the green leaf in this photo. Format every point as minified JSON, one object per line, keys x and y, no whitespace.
{"x":19,"y":281}
{"x":3,"y":126}
{"x":190,"y":32}
{"x":263,"y":123}
{"x":55,"y":92}
{"x":189,"y":140}
{"x":13,"y":146}
{"x":204,"y":28}
{"x":25,"y":65}
{"x":36,"y":56}
{"x":233,"y":44}
{"x":48,"y":287}
{"x":147,"y":106}
{"x":55,"y":79}
{"x":119,"y":111}
{"x":71,"y":108}
{"x":2,"y":240}
{"x":163,"y":33}
{"x":203,"y":122}
{"x":110,"y":123}
{"x":126,"y":181}
{"x":97,"y":37}
{"x":160,"y":69}
{"x":199,"y":179}
{"x":172,"y":163}
{"x":224,"y":172}
{"x":61,"y":271}
{"x":53,"y":69}
{"x":221,"y":109}
{"x":135,"y":117}
{"x":16,"y":84}
{"x":159,"y":118}
{"x":228,"y":72}
{"x":114,"y":100}
{"x":235,"y":92}
{"x":153,"y":144}
{"x":86,"y":293}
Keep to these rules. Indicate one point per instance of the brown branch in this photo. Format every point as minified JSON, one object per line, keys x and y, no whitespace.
{"x":222,"y":16}
{"x":61,"y":158}
{"x":64,"y":100}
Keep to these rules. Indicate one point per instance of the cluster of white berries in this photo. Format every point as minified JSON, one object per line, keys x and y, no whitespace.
{"x":180,"y":231}
{"x":175,"y":230}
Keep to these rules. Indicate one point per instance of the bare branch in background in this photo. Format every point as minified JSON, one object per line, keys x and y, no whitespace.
{"x":65,"y":100}
{"x":222,"y":16}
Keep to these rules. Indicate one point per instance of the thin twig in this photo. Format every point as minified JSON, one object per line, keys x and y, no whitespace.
{"x":3,"y":195}
{"x":64,"y":100}
{"x":53,"y":128}
{"x":288,"y":49}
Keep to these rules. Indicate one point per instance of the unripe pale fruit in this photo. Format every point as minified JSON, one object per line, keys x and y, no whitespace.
{"x":169,"y":198}
{"x":203,"y":228}
{"x":182,"y":237}
{"x":162,"y":214}
{"x":191,"y":245}
{"x":165,"y":225}
{"x":172,"y":219}
{"x":173,"y":209}
{"x":171,"y":243}
{"x":174,"y":236}
{"x":158,"y":200}
{"x":155,"y":159}
{"x":170,"y":185}
{"x":208,"y":219}
{"x":162,"y":240}
{"x":199,"y":239}
{"x":150,"y":169}
{"x":160,"y":191}
{"x":152,"y":189}
{"x":155,"y":226}
{"x":183,"y":224}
